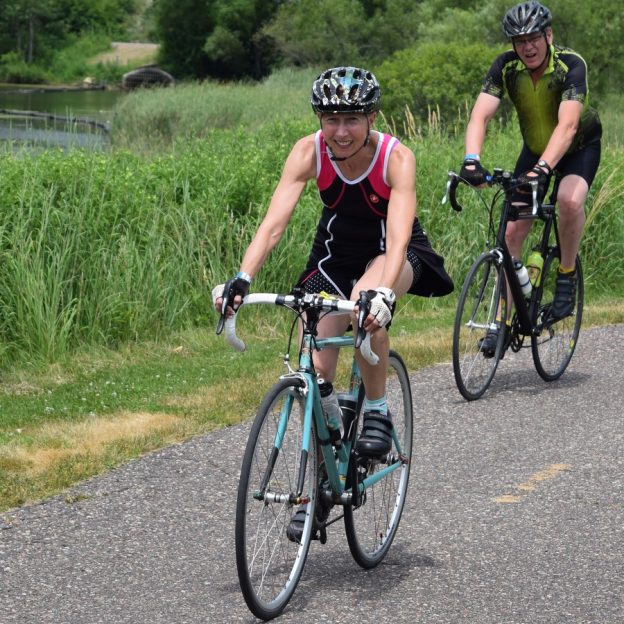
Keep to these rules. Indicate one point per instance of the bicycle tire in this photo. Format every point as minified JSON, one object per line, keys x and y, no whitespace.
{"x":477,"y":309}
{"x":269,"y":564}
{"x":372,"y":526}
{"x":553,"y":349}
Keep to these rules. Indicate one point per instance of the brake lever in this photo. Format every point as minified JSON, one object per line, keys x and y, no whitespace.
{"x":534,"y":186}
{"x":448,"y":187}
{"x":451,"y":186}
{"x":222,"y":317}
{"x":364,"y":305}
{"x":224,"y":305}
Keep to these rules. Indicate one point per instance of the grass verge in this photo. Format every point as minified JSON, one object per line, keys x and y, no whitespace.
{"x":72,"y":421}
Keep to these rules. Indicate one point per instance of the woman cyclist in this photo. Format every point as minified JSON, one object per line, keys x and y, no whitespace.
{"x":368,"y":237}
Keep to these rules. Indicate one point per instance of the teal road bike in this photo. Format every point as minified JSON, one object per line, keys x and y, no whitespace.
{"x":291,"y":464}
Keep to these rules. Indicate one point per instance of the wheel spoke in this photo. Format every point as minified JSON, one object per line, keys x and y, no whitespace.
{"x":371,"y":527}
{"x":269,"y":564}
{"x":481,"y":302}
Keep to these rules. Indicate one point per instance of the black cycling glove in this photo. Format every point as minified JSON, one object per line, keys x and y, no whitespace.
{"x":233,"y":287}
{"x":476,"y":175}
{"x":542,"y":179}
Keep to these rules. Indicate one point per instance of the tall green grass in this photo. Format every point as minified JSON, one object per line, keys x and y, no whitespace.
{"x":103,"y":248}
{"x":611,"y":109}
{"x":156,"y":119}
{"x":113,"y":247}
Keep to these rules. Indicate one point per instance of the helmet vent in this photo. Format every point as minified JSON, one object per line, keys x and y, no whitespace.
{"x":345,"y":90}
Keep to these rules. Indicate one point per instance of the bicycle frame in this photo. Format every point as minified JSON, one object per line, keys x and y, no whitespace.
{"x":337,"y":459}
{"x":526,"y":310}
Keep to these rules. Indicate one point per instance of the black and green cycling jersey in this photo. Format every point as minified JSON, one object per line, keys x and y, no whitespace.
{"x":537,"y":105}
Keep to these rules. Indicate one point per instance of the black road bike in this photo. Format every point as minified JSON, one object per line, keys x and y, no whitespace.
{"x":492,"y":284}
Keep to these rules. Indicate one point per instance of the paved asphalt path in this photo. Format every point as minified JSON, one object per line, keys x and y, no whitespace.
{"x":515,"y":515}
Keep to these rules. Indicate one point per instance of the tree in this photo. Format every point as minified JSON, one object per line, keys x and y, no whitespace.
{"x":108,"y":16}
{"x":236,"y":47}
{"x":36,"y":29}
{"x":218,"y":38}
{"x":182,"y":27}
{"x":320,"y":32}
{"x":432,"y":77}
{"x":594,"y":30}
{"x":24,"y":20}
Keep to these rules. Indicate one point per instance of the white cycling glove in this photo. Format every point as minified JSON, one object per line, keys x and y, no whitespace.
{"x":382,"y":300}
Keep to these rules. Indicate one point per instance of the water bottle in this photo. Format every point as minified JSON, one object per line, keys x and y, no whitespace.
{"x":534,"y":265}
{"x":523,"y":277}
{"x":348,"y":409}
{"x":331,"y":407}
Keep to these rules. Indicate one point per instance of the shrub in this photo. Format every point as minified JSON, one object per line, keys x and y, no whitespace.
{"x":14,"y":69}
{"x":440,"y":77}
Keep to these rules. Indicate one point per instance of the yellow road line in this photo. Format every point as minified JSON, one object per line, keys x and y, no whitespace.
{"x":532,"y":482}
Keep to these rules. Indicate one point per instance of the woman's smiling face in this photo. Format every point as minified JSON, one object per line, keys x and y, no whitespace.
{"x":345,"y":132}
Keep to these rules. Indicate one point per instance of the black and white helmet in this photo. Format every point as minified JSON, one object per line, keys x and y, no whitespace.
{"x":526,"y":18}
{"x":345,"y":90}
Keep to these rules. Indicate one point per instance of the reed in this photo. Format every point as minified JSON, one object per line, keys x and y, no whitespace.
{"x":190,"y":111}
{"x":108,"y":247}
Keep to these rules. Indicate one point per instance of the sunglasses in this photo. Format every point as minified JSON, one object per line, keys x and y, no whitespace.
{"x":533,"y":40}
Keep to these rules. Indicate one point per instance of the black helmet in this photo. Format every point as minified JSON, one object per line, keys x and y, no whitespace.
{"x":345,"y":90}
{"x":526,"y":18}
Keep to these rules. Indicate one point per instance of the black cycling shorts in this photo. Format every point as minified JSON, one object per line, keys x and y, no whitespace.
{"x":582,"y":162}
{"x":313,"y":281}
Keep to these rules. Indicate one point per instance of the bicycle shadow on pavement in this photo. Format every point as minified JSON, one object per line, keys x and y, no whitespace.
{"x":340,"y":571}
{"x":526,"y":381}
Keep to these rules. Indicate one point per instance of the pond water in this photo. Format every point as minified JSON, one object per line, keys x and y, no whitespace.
{"x":36,"y":117}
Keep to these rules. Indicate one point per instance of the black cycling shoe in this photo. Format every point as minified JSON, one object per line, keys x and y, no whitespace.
{"x":376,"y":438}
{"x":294,"y":530}
{"x":565,"y":295}
{"x":489,"y":342}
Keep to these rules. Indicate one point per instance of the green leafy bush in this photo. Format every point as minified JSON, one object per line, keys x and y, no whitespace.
{"x":14,"y":69}
{"x":441,"y":77}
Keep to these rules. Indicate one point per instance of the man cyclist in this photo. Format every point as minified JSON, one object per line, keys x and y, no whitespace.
{"x":368,"y":236}
{"x":548,"y":87}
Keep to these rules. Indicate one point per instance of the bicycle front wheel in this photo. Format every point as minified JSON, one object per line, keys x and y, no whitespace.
{"x":553,"y":348}
{"x":482,"y":301}
{"x":371,"y":527}
{"x":269,"y":561}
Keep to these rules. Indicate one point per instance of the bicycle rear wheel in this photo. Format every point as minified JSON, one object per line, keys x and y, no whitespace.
{"x":482,"y":300}
{"x":553,"y":348}
{"x":371,"y":527}
{"x":270,"y":564}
